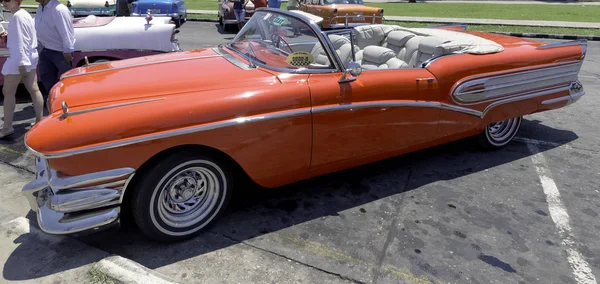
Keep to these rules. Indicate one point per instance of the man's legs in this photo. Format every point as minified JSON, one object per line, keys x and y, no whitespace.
{"x":240,"y":17}
{"x":52,"y":65}
{"x":48,"y":72}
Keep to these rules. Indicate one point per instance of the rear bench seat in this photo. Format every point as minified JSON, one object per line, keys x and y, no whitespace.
{"x":415,"y":46}
{"x":375,"y":45}
{"x":378,"y":57}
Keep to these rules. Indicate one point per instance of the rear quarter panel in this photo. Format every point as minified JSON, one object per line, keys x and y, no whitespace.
{"x":453,"y":70}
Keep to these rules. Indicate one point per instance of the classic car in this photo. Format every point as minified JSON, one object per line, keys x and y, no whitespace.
{"x":226,"y":15}
{"x":92,"y":7}
{"x":101,"y":39}
{"x":342,"y":13}
{"x":176,"y":9}
{"x":170,"y":153}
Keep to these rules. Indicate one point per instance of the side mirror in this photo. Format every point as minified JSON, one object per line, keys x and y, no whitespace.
{"x":354,"y":69}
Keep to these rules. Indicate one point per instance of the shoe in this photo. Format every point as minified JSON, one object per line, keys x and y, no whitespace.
{"x":2,"y":135}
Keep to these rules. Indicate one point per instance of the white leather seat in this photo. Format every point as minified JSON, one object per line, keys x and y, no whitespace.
{"x":396,"y":41}
{"x":427,"y":48}
{"x":371,"y":35}
{"x":378,"y":57}
{"x":342,"y":46}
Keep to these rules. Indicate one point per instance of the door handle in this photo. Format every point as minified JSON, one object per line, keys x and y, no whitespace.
{"x":429,"y":80}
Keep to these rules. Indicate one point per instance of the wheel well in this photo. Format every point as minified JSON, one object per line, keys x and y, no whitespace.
{"x":140,"y":172}
{"x":93,"y":59}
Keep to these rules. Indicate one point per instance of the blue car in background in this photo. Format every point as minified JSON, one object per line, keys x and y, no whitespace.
{"x":175,"y":9}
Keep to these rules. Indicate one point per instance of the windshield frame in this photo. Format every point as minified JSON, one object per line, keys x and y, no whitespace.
{"x":321,"y":36}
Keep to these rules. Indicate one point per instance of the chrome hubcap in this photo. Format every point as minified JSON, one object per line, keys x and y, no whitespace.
{"x":502,"y":131}
{"x":188,"y":196}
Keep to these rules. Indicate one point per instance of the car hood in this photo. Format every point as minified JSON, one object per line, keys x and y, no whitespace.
{"x":158,"y":76}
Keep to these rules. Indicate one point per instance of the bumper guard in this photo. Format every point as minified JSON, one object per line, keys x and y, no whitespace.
{"x":73,"y":204}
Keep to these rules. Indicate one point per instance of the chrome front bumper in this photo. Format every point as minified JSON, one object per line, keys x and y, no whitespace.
{"x":73,"y":204}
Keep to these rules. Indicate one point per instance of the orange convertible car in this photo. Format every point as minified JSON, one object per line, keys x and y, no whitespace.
{"x":342,"y":13}
{"x":293,"y":106}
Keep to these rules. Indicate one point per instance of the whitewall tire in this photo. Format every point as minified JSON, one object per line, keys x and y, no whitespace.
{"x":499,"y":134}
{"x":181,"y":196}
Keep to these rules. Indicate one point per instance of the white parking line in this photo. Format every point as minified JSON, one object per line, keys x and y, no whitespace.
{"x":558,"y":212}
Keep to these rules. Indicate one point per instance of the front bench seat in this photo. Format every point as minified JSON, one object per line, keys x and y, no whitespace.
{"x":342,"y":47}
{"x":378,"y":57}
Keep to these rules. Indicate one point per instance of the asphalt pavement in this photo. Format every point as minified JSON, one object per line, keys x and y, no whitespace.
{"x":450,"y":214}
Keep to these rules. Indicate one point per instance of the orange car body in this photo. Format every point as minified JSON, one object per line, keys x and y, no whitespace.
{"x":342,"y":15}
{"x":278,"y":127}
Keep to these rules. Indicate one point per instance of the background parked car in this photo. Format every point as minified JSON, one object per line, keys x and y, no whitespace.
{"x":342,"y":13}
{"x":112,"y":38}
{"x":92,"y":7}
{"x":226,"y":15}
{"x":176,"y":9}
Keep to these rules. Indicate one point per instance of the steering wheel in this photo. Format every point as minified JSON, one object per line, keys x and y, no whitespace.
{"x":276,"y":39}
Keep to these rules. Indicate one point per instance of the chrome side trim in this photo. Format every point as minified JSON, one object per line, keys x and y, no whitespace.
{"x":493,"y":87}
{"x":232,"y":59}
{"x":388,"y":104}
{"x":139,"y":65}
{"x":523,"y":97}
{"x":462,"y":109}
{"x":177,"y":132}
{"x":121,"y":49}
{"x":67,"y":113}
{"x":556,"y":100}
{"x":582,"y":42}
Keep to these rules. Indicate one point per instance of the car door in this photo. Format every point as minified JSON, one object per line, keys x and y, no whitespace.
{"x":376,"y":114}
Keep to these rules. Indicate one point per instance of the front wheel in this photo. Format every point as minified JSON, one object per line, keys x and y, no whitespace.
{"x":181,"y":196}
{"x":499,"y":134}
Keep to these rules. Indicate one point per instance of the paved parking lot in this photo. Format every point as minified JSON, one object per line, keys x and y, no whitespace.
{"x":450,"y":214}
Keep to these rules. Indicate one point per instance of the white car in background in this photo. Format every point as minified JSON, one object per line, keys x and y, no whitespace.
{"x":92,"y":7}
{"x":101,"y":39}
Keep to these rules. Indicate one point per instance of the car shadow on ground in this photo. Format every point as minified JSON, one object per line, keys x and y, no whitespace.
{"x":231,"y":29}
{"x":260,"y":211}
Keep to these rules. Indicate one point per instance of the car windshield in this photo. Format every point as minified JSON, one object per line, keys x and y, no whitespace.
{"x":330,"y":2}
{"x":280,"y":41}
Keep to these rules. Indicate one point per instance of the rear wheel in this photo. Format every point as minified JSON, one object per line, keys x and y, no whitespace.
{"x":181,"y":196}
{"x":499,"y":134}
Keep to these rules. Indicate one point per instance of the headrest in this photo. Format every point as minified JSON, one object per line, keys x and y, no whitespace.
{"x":377,"y":54}
{"x":371,"y":34}
{"x":399,"y":38}
{"x":338,"y":40}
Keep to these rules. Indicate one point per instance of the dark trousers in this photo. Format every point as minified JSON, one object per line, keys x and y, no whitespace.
{"x":52,"y":65}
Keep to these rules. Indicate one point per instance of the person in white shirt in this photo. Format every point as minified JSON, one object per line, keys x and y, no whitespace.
{"x":20,"y":65}
{"x":56,"y":37}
